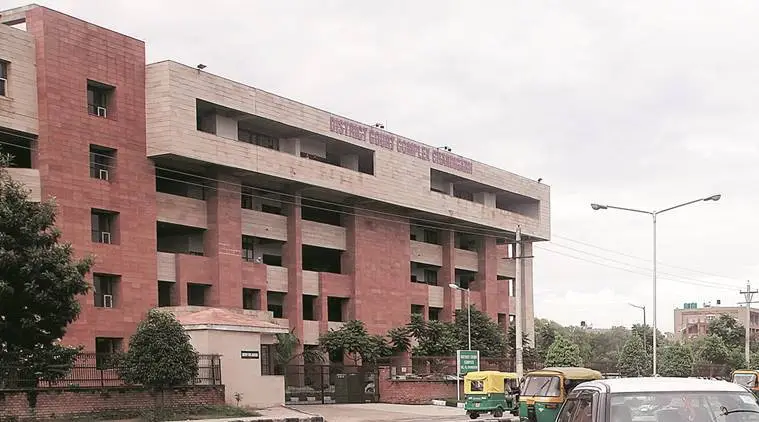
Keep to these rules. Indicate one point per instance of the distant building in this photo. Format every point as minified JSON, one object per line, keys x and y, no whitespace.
{"x":692,"y":321}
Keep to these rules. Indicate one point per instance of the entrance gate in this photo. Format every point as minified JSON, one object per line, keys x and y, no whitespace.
{"x":325,"y":384}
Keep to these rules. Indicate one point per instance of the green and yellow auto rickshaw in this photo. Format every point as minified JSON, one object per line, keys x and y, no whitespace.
{"x":490,"y":392}
{"x":544,"y":391}
{"x":747,"y":378}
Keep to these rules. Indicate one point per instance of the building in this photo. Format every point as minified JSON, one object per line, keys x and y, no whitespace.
{"x":693,"y":321}
{"x":195,"y":190}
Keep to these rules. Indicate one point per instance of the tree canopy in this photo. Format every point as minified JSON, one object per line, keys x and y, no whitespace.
{"x":160,"y":354}
{"x":676,"y":361}
{"x":354,"y":341}
{"x":40,"y":282}
{"x":634,"y":361}
{"x":563,"y":352}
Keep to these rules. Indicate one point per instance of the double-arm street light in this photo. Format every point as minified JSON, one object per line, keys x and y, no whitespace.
{"x":653,"y":214}
{"x":468,"y":311}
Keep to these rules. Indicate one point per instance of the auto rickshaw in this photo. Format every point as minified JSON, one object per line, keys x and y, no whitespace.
{"x":544,"y":391}
{"x":747,"y":378}
{"x":490,"y":392}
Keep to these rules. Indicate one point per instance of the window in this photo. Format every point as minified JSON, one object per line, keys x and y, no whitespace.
{"x":105,"y":348}
{"x":543,"y":386}
{"x":251,"y":299}
{"x":103,"y":225}
{"x":275,"y":303}
{"x":248,"y":248}
{"x":250,"y":137}
{"x":166,"y":293}
{"x":417,"y":310}
{"x":309,"y":308}
{"x":430,"y":277}
{"x":105,"y":289}
{"x":102,"y":162}
{"x":434,"y":314}
{"x":196,"y":294}
{"x":267,"y":360}
{"x":578,"y":408}
{"x":4,"y":78}
{"x":98,"y":98}
{"x":246,"y":198}
{"x":431,"y":236}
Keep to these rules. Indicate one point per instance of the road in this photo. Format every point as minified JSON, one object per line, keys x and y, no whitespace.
{"x":380,"y":412}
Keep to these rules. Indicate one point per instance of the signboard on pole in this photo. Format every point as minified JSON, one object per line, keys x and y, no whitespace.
{"x":467,"y":361}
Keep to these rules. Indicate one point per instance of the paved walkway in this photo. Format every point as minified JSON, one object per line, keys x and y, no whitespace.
{"x":376,"y":412}
{"x":274,"y":414}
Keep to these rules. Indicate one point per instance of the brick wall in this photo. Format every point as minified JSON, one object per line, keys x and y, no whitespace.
{"x":69,"y":402}
{"x":69,"y":52}
{"x":413,"y":391}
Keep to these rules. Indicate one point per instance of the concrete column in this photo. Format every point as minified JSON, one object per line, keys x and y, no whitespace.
{"x":527,"y":299}
{"x":292,"y":259}
{"x":223,"y":241}
{"x":447,"y":275}
{"x":487,"y":277}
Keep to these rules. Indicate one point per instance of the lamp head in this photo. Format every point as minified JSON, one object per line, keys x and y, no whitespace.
{"x":598,"y":207}
{"x":713,"y":198}
{"x":453,"y":286}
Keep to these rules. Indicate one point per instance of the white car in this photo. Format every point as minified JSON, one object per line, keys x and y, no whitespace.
{"x":659,"y":400}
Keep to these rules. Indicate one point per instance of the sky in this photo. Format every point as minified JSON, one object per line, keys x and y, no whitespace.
{"x":643,"y":104}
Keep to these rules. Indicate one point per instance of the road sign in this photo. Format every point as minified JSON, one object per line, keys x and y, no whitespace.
{"x":467,"y":361}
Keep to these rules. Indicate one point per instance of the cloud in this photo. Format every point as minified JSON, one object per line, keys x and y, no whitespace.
{"x":643,"y":104}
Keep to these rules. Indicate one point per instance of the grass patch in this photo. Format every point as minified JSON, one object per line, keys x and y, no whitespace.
{"x":150,"y":415}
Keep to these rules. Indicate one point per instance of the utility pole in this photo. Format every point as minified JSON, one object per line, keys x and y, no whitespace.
{"x":518,"y":297}
{"x":748,"y":294}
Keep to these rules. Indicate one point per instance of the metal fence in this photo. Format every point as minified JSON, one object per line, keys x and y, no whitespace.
{"x":95,"y":370}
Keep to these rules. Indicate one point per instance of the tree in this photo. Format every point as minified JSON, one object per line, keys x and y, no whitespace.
{"x":40,"y":281}
{"x":728,"y":329}
{"x":633,"y":361}
{"x":160,"y":355}
{"x":353,"y":340}
{"x":487,"y":336}
{"x":545,"y":334}
{"x":563,"y":353}
{"x":711,"y":349}
{"x":400,"y":339}
{"x":434,"y":338}
{"x":676,"y":361}
{"x":286,"y":347}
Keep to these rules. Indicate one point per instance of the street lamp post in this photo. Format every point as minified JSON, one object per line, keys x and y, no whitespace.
{"x":468,"y":311}
{"x":643,"y":308}
{"x":653,"y":215}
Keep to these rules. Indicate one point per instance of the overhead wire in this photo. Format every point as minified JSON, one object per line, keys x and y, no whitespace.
{"x":375,"y":215}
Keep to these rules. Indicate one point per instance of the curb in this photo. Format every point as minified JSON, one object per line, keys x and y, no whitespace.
{"x":445,"y":403}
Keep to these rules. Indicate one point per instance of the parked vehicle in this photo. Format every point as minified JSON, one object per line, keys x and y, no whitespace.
{"x":659,"y":399}
{"x":544,"y":391}
{"x":747,"y":378}
{"x":490,"y":392}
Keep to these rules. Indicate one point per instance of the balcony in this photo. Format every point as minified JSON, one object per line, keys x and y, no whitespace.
{"x":323,"y":235}
{"x":466,"y":260}
{"x":167,"y":267}
{"x":264,"y":225}
{"x":507,"y":267}
{"x":276,"y":279}
{"x":426,"y":253}
{"x":435,"y":295}
{"x":457,"y":298}
{"x":30,"y":178}
{"x":310,"y":283}
{"x":172,"y":115}
{"x":181,"y":210}
{"x":310,"y":332}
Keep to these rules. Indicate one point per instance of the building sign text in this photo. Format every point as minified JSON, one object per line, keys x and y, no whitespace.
{"x":382,"y":139}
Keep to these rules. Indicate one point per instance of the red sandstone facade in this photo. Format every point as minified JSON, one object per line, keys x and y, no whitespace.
{"x":194,"y":190}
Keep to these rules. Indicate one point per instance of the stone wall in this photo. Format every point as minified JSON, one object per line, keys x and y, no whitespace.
{"x":81,"y":401}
